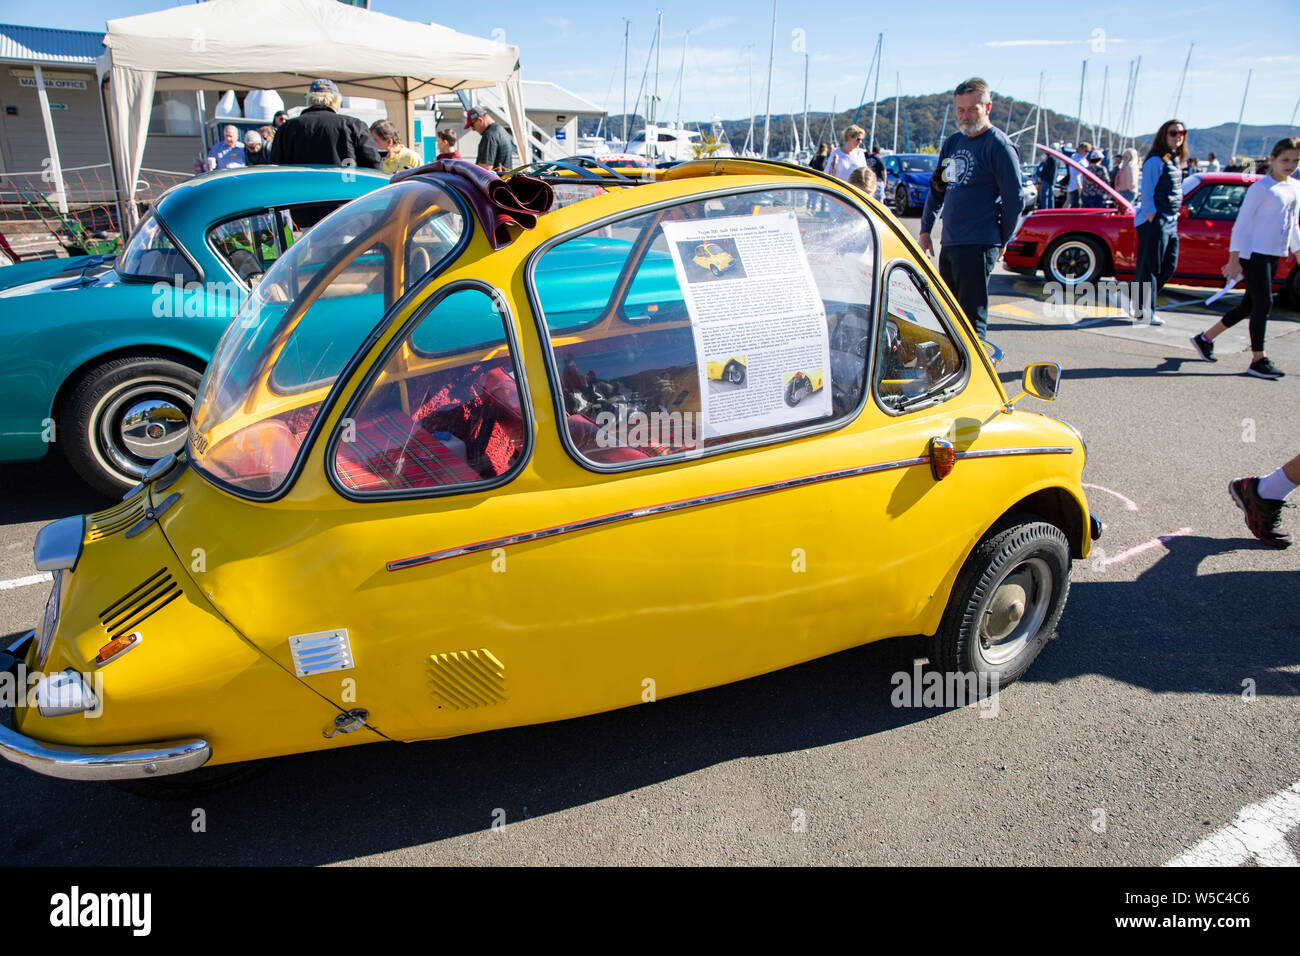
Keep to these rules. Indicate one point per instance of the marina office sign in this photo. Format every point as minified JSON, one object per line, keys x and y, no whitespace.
{"x":53,"y":81}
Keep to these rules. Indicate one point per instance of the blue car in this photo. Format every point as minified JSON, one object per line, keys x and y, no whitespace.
{"x":909,"y":179}
{"x":103,"y":355}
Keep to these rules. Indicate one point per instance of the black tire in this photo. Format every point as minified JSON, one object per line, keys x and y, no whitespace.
{"x":195,"y":783}
{"x":92,"y":418}
{"x":901,"y":205}
{"x":734,"y":373}
{"x":1075,"y":260}
{"x":715,"y":270}
{"x":1011,"y":555}
{"x":1293,"y":287}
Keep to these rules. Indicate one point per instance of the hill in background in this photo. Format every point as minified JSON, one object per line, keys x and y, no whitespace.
{"x":921,"y":121}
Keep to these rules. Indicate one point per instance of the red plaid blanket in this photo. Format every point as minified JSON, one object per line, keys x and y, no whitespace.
{"x":392,"y":451}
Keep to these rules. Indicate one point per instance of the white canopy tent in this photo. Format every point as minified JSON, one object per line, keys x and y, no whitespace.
{"x":284,"y":45}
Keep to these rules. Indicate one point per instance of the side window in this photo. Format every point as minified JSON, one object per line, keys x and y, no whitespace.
{"x":1221,"y":201}
{"x":151,"y":254}
{"x":445,"y":411}
{"x":708,"y":325}
{"x":919,"y":358}
{"x":248,"y":245}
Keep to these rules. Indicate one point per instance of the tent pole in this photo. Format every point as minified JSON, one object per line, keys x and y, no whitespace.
{"x":55,"y":172}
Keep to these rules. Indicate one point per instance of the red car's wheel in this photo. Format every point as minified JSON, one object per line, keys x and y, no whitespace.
{"x":1074,"y":260}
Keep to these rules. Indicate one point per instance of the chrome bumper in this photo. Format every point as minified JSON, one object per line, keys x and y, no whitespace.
{"x":129,"y":762}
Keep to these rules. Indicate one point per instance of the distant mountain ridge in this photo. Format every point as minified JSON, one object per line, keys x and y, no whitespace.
{"x":921,"y":120}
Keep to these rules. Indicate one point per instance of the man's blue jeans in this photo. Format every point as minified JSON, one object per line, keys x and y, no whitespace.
{"x":966,"y":270}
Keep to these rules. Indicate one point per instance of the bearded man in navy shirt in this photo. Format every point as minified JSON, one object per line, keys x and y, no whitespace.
{"x":977,"y":185}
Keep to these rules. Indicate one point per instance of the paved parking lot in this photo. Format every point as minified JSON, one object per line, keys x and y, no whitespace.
{"x":1169,"y":701}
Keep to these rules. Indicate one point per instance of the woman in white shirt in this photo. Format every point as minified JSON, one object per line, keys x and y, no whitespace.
{"x":1267,"y":229}
{"x":848,"y":157}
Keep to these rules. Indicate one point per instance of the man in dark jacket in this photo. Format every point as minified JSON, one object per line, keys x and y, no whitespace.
{"x":320,"y":136}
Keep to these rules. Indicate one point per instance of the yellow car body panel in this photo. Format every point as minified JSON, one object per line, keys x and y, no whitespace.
{"x":578,"y":622}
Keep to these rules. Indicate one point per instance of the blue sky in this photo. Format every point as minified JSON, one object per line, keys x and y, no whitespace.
{"x":579,"y":44}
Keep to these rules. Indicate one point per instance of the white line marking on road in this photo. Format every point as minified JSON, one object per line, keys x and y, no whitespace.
{"x":1127,"y":503}
{"x":1258,"y":833}
{"x":26,"y":582}
{"x":1153,"y":543}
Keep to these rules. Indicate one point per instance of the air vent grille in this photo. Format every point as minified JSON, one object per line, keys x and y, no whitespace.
{"x":467,"y":679}
{"x":129,"y":611}
{"x":102,"y":524}
{"x":321,"y":652}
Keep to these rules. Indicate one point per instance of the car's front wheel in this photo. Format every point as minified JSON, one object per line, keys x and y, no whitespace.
{"x":735,"y":373}
{"x":715,"y":270}
{"x":1075,"y":260}
{"x":1005,"y":603}
{"x":124,"y":415}
{"x":900,"y":199}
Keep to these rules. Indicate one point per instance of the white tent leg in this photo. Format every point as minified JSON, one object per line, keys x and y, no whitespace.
{"x":55,"y":171}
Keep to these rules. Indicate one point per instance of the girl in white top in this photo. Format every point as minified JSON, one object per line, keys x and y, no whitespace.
{"x":1267,"y":229}
{"x":848,"y":157}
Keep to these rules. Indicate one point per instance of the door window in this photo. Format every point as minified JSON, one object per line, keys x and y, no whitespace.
{"x":444,"y":412}
{"x":1220,"y":201}
{"x":920,"y":359}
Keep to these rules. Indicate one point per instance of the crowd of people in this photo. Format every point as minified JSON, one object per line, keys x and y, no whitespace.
{"x":321,"y":135}
{"x":977,"y":187}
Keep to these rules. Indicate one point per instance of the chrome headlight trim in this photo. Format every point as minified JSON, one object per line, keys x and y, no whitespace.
{"x":58,"y":695}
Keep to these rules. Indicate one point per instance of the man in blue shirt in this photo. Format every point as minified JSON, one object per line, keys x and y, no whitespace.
{"x":229,"y":152}
{"x":980,"y":194}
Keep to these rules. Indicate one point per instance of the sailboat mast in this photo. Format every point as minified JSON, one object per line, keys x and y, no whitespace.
{"x":807,"y":144}
{"x":1236,"y":136}
{"x":875,"y":96}
{"x":681,"y":79}
{"x":943,"y":130}
{"x":898,"y":97}
{"x":1078,"y":120}
{"x":1178,"y":97}
{"x":627,"y":25}
{"x":1101,"y":109}
{"x":749,"y":140}
{"x":771,"y":58}
{"x":1137,"y":68}
{"x":654,"y":104}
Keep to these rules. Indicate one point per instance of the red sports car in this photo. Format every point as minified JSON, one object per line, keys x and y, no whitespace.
{"x":1074,"y":246}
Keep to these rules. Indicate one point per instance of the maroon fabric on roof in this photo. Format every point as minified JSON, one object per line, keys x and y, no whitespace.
{"x":498,"y":203}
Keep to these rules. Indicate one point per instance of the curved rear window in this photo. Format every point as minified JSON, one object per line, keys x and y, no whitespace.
{"x":305,"y":321}
{"x":151,"y":254}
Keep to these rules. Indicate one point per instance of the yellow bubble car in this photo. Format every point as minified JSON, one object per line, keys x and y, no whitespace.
{"x":731,"y":370}
{"x":710,"y":256}
{"x":448,"y":473}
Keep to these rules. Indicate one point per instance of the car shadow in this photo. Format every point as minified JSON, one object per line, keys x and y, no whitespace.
{"x":45,"y":490}
{"x":1169,"y":631}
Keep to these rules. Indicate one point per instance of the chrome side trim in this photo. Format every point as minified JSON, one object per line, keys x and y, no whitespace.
{"x":671,"y":506}
{"x":131,"y":762}
{"x":58,"y":544}
{"x":1001,"y":452}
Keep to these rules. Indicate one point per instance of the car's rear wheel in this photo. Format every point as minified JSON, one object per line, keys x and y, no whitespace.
{"x":1074,"y":260}
{"x":1006,"y":602}
{"x":735,"y":373}
{"x":124,"y":415}
{"x":900,"y":199}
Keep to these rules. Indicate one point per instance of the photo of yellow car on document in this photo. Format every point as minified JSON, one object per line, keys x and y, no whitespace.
{"x":799,"y":385}
{"x":714,"y":259}
{"x":728,"y":370}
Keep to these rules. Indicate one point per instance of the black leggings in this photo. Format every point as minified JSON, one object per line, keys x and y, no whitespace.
{"x":1258,"y":274}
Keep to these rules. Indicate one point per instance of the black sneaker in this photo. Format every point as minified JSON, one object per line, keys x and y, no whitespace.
{"x":1206,"y":349}
{"x":1263,"y":515}
{"x":1264,"y":369}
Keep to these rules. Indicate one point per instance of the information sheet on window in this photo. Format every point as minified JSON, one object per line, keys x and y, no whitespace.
{"x":758,"y":320}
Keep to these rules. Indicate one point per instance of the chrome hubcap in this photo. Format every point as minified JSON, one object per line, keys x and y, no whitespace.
{"x":1072,"y":262}
{"x":1014,"y":610}
{"x":141,"y":422}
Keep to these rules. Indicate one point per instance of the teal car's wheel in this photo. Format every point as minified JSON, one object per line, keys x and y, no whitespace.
{"x":123,"y":416}
{"x":1005,"y":603}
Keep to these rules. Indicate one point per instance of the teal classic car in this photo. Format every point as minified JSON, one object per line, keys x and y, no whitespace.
{"x":103,"y":355}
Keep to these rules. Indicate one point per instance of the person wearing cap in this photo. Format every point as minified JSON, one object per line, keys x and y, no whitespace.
{"x":1091,"y":195}
{"x":255,"y":153}
{"x":493,"y":144}
{"x":321,"y":136}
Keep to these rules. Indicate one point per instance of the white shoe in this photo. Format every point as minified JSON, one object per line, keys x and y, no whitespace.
{"x":1156,"y":320}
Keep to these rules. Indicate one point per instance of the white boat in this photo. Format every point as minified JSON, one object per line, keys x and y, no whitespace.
{"x":674,"y":143}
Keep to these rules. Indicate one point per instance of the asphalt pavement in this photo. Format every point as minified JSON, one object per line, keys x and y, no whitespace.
{"x":1167,"y":703}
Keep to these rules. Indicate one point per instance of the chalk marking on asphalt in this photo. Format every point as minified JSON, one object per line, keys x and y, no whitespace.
{"x":1154,"y":543}
{"x":31,"y":579}
{"x":1128,"y":505}
{"x":1257,"y":834}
